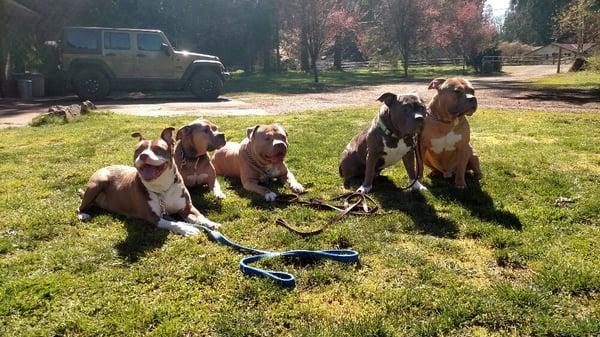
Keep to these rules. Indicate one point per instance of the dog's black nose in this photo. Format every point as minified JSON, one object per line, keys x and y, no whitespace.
{"x":471,"y":99}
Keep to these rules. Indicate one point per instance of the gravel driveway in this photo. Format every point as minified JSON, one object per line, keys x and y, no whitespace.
{"x":510,"y":91}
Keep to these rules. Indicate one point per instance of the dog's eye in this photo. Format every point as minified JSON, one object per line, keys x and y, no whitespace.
{"x":206,"y":130}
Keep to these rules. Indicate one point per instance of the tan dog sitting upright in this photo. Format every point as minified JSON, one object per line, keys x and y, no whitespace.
{"x":148,"y":191}
{"x":195,"y":140}
{"x":446,"y":132}
{"x":259,"y":158}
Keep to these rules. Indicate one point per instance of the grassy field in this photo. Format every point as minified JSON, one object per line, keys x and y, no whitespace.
{"x":577,"y":80}
{"x":516,"y":256}
{"x":295,"y":82}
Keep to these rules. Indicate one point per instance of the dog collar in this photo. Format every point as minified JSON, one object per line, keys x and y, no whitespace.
{"x":184,"y":158}
{"x":385,"y":129}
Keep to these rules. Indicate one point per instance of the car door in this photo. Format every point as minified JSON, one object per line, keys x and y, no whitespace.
{"x":152,"y":59}
{"x":119,"y":54}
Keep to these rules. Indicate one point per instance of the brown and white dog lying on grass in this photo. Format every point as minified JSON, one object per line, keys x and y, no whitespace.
{"x":258,"y":159}
{"x":195,"y":140}
{"x":148,"y":191}
{"x":446,"y":132}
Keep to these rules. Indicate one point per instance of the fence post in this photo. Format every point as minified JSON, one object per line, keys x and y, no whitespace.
{"x":559,"y":60}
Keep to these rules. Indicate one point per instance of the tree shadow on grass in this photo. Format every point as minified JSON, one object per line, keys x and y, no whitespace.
{"x":479,"y":203}
{"x":424,"y":216}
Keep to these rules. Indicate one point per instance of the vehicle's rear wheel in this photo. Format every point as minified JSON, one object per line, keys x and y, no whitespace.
{"x":91,"y":84}
{"x":206,"y":85}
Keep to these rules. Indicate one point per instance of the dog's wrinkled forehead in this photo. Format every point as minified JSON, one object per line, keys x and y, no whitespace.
{"x":158,"y":146}
{"x":202,"y":123}
{"x":457,"y":83}
{"x":274,"y":129}
{"x":412,"y":99}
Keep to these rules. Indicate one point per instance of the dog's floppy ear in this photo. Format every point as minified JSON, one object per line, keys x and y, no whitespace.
{"x":251,"y":130}
{"x":181,"y":132}
{"x":282,"y":129}
{"x":167,"y":135}
{"x":138,"y":135}
{"x":436,"y":83}
{"x":388,"y":98}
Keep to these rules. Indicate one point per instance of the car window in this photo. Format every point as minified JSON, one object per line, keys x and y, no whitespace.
{"x":119,"y":41}
{"x":81,"y":39}
{"x":149,"y":42}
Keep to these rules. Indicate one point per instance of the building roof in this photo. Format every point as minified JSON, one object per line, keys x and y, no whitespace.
{"x":17,"y":10}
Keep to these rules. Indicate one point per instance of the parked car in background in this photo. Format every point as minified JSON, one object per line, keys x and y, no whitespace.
{"x":98,"y":60}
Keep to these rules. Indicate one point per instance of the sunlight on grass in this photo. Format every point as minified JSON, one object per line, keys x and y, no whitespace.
{"x":503,"y":258}
{"x":576,"y":80}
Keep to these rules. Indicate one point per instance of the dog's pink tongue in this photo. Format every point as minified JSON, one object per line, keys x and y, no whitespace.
{"x":149,"y":172}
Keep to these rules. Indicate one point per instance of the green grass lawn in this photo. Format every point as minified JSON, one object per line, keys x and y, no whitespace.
{"x":295,"y":82}
{"x":576,"y":80}
{"x":509,"y":258}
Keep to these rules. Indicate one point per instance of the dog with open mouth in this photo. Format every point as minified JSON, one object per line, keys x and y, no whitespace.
{"x":258,"y":159}
{"x":150,"y":190}
{"x":389,"y":138}
{"x":194,"y":142}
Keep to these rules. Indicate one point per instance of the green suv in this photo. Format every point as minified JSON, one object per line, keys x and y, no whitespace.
{"x":98,"y":60}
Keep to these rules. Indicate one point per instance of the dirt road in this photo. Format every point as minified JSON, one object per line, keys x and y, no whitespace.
{"x":510,"y":91}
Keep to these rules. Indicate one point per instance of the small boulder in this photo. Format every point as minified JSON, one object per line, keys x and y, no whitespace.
{"x":72,"y":111}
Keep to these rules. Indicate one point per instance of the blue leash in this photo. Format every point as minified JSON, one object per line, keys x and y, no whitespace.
{"x":282,"y":278}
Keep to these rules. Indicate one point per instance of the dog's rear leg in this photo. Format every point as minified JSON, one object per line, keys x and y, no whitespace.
{"x":93,"y":189}
{"x":473,"y":164}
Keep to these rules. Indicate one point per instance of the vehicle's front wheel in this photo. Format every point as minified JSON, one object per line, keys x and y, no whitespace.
{"x":206,"y":85}
{"x":91,"y":84}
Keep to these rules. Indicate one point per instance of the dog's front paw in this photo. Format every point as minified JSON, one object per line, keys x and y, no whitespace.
{"x":417,"y":186}
{"x":364,"y":189}
{"x":212,"y":225}
{"x":219,"y":195}
{"x":461,"y":185}
{"x":297,"y":187}
{"x":185,"y":229}
{"x":271,"y":196}
{"x":83,"y":216}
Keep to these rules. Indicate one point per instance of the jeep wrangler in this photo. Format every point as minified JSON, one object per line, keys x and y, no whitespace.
{"x":98,"y":60}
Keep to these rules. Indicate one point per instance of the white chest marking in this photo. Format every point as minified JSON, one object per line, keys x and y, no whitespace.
{"x":394,"y":155}
{"x":169,"y":202}
{"x":446,"y":143}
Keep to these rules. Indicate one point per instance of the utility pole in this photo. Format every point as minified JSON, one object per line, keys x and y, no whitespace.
{"x":559,"y":60}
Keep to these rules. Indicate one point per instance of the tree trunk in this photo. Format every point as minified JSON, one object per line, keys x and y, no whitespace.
{"x":405,"y":61}
{"x":304,"y":62}
{"x":315,"y":69}
{"x":267,"y":68}
{"x":337,"y":53}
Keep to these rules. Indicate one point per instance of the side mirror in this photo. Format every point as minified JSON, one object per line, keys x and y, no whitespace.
{"x":166,"y":49}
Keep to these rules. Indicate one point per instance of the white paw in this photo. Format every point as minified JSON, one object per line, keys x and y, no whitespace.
{"x":418,"y":186}
{"x":364,"y":189}
{"x":271,"y":196}
{"x":297,"y":187}
{"x":83,"y":216}
{"x":185,"y":229}
{"x":212,"y":224}
{"x":219,"y":195}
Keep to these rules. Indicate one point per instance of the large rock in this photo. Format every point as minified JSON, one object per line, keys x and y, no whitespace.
{"x":72,"y":111}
